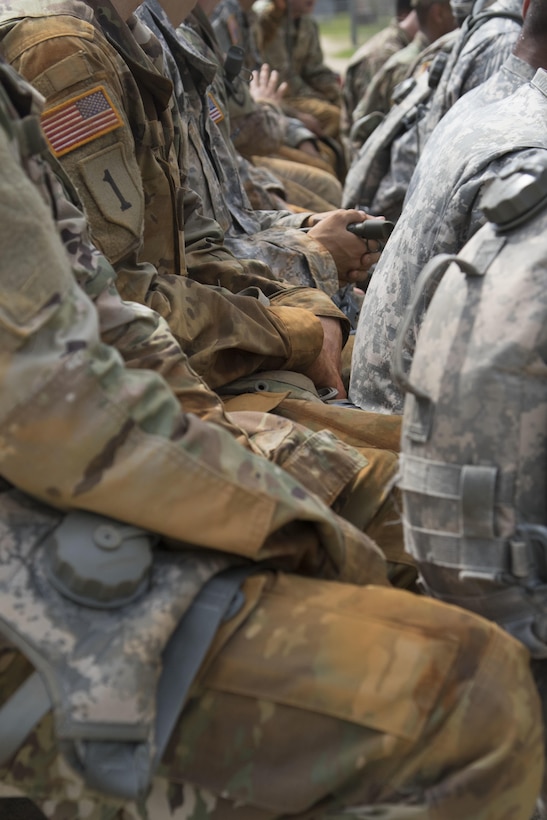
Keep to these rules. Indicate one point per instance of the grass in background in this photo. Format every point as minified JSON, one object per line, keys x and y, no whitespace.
{"x":338,"y":27}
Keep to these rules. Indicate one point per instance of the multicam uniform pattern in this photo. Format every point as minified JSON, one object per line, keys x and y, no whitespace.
{"x":129,"y":181}
{"x":442,"y":212}
{"x":213,"y":174}
{"x":293,"y":48}
{"x":387,"y":684}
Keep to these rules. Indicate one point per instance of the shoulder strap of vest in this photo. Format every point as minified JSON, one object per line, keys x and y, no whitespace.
{"x":118,"y":768}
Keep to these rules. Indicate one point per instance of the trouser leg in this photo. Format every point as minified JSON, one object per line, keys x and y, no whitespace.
{"x":331,"y":697}
{"x":323,"y":698}
{"x":370,"y":502}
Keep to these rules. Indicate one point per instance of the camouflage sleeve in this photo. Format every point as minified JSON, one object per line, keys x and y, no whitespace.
{"x":80,"y":430}
{"x":255,"y":128}
{"x":316,"y":75}
{"x":72,"y":69}
{"x":139,"y":334}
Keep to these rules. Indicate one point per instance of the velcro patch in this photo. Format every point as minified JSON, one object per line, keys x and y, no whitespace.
{"x":80,"y":120}
{"x":215,"y":111}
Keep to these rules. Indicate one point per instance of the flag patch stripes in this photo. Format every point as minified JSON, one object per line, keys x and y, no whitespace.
{"x":80,"y":120}
{"x":214,"y":109}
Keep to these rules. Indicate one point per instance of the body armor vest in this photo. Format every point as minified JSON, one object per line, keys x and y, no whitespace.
{"x":474,"y":450}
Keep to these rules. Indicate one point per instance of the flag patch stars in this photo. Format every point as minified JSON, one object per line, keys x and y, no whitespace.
{"x":80,"y":120}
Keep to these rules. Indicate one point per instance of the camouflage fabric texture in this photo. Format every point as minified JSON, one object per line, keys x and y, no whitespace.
{"x":385,"y":682}
{"x":461,"y":365}
{"x":243,"y":715}
{"x":212,"y":167}
{"x":477,"y":53}
{"x":294,"y":50}
{"x":367,"y":60}
{"x":442,"y":212}
{"x":372,"y":165}
{"x":235,"y":27}
{"x":127,"y":436}
{"x":378,"y":95}
{"x":145,"y":159}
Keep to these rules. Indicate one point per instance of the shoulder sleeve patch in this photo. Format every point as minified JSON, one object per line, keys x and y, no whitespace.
{"x":114,"y":191}
{"x":80,"y":120}
{"x":215,"y":111}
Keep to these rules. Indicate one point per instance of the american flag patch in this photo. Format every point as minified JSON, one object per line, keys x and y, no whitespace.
{"x":214,"y":110}
{"x":80,"y":120}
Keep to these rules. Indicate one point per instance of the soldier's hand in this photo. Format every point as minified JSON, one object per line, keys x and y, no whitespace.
{"x":311,"y":122}
{"x":265,"y":85}
{"x":353,"y":259}
{"x":325,"y":371}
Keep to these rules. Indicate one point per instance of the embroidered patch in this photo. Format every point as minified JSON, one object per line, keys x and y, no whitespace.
{"x":80,"y":120}
{"x":214,"y":108}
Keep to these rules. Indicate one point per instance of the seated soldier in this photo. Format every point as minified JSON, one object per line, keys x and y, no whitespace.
{"x":274,"y":237}
{"x":413,"y":707}
{"x":288,"y":41}
{"x":129,"y":175}
{"x":435,"y":19}
{"x":371,"y":56}
{"x":233,"y":22}
{"x":442,"y":209}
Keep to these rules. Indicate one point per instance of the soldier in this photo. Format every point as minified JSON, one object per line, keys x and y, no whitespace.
{"x":233,"y":22}
{"x":484,"y":41}
{"x":288,"y":40}
{"x":99,"y":450}
{"x":435,"y":19}
{"x":129,"y":176}
{"x":442,"y":208}
{"x":371,"y":56}
{"x":476,"y":410}
{"x":273,"y":237}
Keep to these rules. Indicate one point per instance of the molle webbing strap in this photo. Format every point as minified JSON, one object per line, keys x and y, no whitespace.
{"x":20,"y":714}
{"x":125,"y":769}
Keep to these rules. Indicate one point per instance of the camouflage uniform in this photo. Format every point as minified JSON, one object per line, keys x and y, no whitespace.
{"x":483,"y":53}
{"x":377,"y":136}
{"x":254,"y":123}
{"x":62,"y":380}
{"x":269,"y":236}
{"x":379,"y":93}
{"x":234,"y":27}
{"x":294,"y":49}
{"x":141,"y":159}
{"x":369,"y":59}
{"x":487,"y":129}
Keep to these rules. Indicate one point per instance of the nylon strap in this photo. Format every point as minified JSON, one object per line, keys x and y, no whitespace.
{"x":124,"y":768}
{"x":20,"y":714}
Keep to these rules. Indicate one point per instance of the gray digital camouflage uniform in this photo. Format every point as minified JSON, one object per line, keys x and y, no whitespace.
{"x":270,"y":236}
{"x":474,"y":57}
{"x":486,"y":130}
{"x":372,"y":162}
{"x":367,"y":60}
{"x":473,"y":473}
{"x":378,"y":96}
{"x":80,"y":429}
